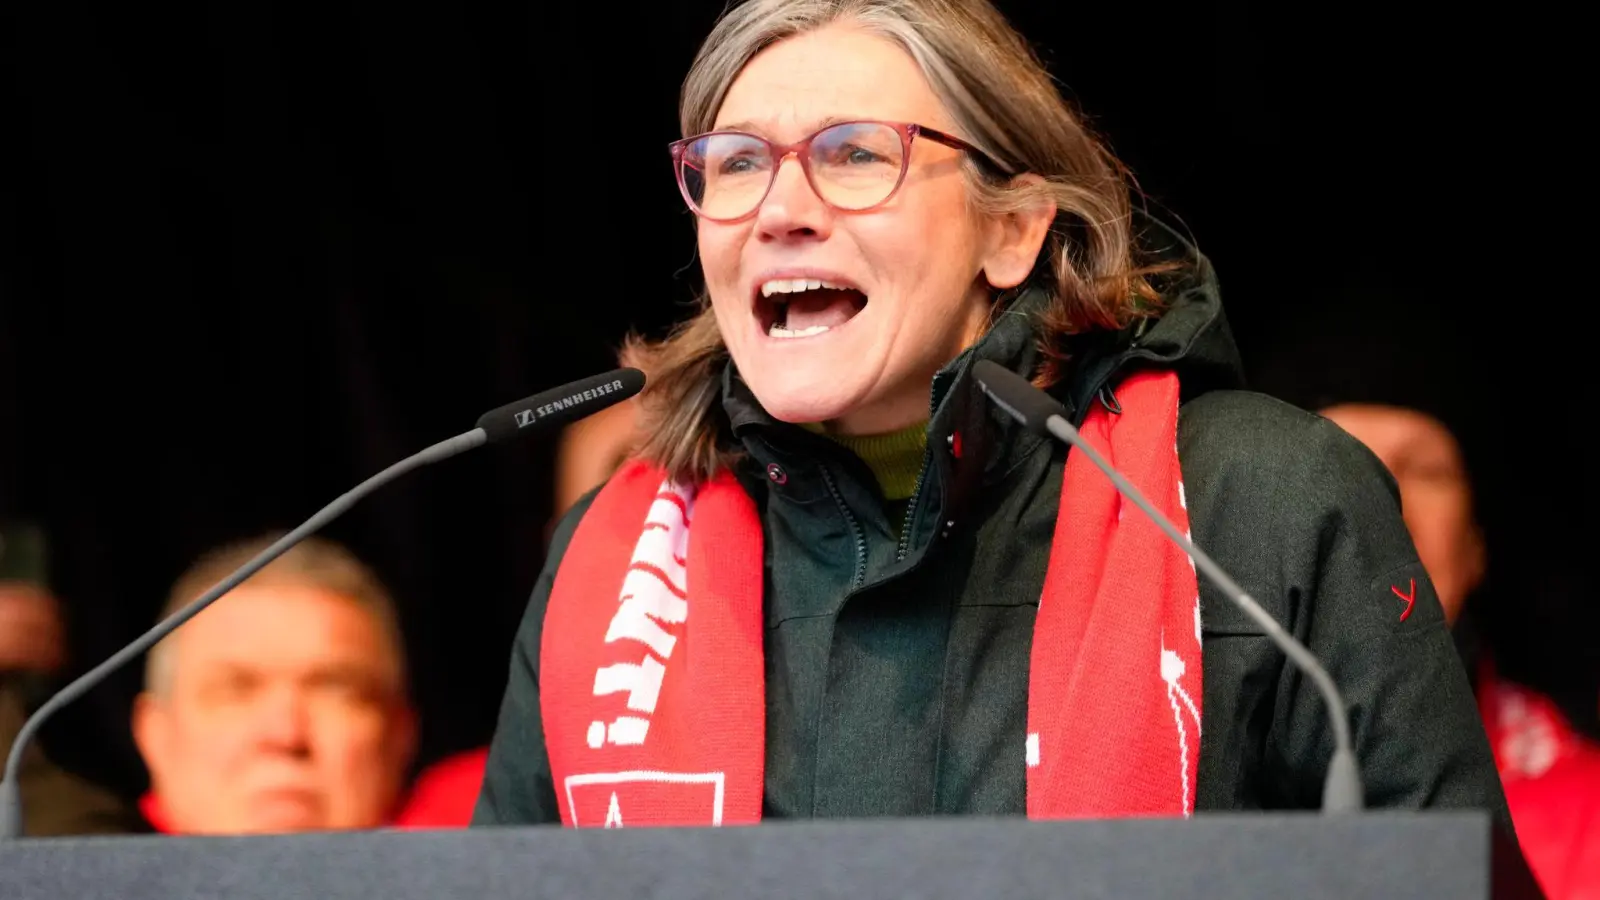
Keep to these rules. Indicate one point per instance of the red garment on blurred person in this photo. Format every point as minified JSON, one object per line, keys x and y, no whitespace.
{"x":1551,"y":776}
{"x":150,"y":808}
{"x":445,"y":792}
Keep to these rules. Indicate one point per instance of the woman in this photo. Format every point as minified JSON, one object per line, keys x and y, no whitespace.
{"x":836,"y":582}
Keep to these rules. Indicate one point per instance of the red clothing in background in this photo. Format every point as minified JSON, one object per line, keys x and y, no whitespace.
{"x":445,"y":793}
{"x":1551,"y":776}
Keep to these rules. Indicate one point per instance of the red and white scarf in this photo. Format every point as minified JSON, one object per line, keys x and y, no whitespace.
{"x":652,"y":679}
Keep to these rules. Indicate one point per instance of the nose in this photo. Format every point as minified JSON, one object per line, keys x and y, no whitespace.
{"x":792,"y":210}
{"x":284,"y":723}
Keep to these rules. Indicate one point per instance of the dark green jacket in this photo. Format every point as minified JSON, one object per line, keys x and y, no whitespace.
{"x":897,"y":668}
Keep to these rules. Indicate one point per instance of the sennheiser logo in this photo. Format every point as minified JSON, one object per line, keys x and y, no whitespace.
{"x":526,"y":417}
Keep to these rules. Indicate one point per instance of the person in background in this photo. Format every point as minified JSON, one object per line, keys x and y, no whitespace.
{"x":1550,"y":772}
{"x":282,"y":707}
{"x":1435,"y":492}
{"x":444,"y":793}
{"x":32,"y":653}
{"x":588,"y":452}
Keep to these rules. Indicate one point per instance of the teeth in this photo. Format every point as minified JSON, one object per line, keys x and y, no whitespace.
{"x":778,"y":331}
{"x":796,"y":285}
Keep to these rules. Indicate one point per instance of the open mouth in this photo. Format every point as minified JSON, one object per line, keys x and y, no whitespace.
{"x":790,"y":308}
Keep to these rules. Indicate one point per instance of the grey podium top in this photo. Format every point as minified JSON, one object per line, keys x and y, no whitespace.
{"x":1298,"y":855}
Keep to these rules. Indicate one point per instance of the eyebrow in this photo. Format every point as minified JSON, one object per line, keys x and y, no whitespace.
{"x":815,"y":126}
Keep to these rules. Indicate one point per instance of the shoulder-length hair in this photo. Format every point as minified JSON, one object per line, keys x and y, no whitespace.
{"x":1005,"y":103}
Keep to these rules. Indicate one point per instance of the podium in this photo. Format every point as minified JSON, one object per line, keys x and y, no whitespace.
{"x":1303,"y":856}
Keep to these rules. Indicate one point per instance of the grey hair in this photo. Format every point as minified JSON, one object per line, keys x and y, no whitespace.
{"x":1004,"y":102}
{"x":314,"y":562}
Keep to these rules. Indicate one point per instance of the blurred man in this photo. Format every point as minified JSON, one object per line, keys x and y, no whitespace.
{"x":283,"y":706}
{"x":54,"y":801}
{"x":30,"y":629}
{"x":32,"y":652}
{"x":1551,"y":773}
{"x":1435,"y":493}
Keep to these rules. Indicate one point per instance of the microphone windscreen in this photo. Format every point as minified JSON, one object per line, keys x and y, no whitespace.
{"x":1012,"y":393}
{"x":558,"y":406}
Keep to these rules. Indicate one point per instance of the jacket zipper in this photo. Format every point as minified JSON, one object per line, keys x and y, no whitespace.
{"x":911,"y":509}
{"x":855,"y":529}
{"x":916,"y":489}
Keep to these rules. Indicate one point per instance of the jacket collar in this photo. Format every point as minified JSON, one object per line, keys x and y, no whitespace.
{"x":970,"y":443}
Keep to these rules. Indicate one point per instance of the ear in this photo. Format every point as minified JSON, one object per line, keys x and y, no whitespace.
{"x":1016,"y":237}
{"x":152,"y":732}
{"x":1477,"y":560}
{"x":403,"y":736}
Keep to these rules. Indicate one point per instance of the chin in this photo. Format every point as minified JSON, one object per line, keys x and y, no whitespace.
{"x":283,"y":824}
{"x":801,"y":397}
{"x":286,"y":811}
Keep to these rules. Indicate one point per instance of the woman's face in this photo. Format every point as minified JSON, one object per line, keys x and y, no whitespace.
{"x":863,"y":359}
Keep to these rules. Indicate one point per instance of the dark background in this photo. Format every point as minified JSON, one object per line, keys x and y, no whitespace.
{"x":251,"y":253}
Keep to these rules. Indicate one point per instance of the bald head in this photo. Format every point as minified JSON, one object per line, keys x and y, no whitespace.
{"x":1435,"y":492}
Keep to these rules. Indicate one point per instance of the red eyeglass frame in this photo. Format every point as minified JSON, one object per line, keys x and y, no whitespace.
{"x":908,"y":132}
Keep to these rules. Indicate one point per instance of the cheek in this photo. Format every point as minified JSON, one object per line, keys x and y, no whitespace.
{"x":931,"y":246}
{"x":212,"y":739}
{"x":719,"y":247}
{"x":1436,"y":518}
{"x":935,"y":270}
{"x":1439,"y":540}
{"x":351,"y":738}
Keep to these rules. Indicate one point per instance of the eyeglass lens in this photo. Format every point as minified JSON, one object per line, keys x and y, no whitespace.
{"x":852,"y":166}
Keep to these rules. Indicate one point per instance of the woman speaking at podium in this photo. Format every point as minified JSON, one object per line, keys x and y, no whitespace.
{"x":837,"y":581}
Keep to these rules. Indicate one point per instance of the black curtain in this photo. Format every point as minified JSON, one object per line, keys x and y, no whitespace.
{"x":251,"y":253}
{"x":254,"y":253}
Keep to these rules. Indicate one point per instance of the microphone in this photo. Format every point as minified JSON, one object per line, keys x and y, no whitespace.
{"x":1040,"y":413}
{"x":561,"y":405}
{"x":551,"y":408}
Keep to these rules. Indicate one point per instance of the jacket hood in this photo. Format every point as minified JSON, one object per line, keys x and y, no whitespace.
{"x":1191,"y":334}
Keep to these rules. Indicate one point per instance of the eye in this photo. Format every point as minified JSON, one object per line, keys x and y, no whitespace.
{"x":739,"y":165}
{"x":347,"y":687}
{"x":850,"y":154}
{"x":857,"y":145}
{"x":729,"y":155}
{"x":233,"y":686}
{"x":861,"y":156}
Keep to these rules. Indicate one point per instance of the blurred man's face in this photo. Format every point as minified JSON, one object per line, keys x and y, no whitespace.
{"x":1434,"y":493}
{"x":284,"y":711}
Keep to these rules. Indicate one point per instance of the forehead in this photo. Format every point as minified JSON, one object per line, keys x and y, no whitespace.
{"x":838,"y":72}
{"x":283,"y":627}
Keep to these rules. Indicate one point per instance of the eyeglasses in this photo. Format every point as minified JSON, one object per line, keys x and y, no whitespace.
{"x":852,"y":166}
